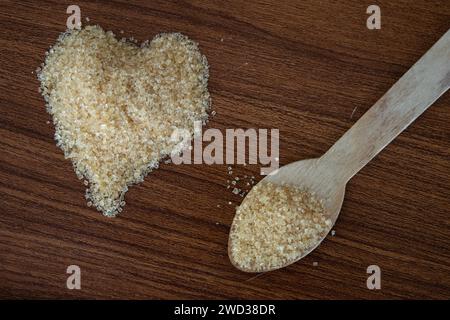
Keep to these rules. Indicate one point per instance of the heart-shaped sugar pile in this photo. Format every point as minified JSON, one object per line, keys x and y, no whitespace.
{"x":115,"y":105}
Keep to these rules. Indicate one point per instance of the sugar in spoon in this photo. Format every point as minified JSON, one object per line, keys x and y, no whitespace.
{"x":328,"y":175}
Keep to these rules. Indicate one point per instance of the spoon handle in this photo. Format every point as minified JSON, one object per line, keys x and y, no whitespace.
{"x":406,"y":100}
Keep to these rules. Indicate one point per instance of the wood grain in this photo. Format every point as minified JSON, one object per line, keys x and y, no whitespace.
{"x":309,"y":68}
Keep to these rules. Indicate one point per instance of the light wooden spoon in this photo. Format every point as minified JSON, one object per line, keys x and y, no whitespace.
{"x":408,"y":98}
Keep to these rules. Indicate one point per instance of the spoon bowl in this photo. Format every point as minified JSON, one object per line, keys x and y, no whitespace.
{"x":310,"y":175}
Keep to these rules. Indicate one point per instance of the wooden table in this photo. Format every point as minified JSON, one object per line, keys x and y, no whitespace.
{"x":308,"y":68}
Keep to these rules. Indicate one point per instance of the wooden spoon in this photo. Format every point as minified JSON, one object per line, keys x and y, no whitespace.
{"x":408,"y":98}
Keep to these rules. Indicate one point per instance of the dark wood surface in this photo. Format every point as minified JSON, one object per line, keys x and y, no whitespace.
{"x":300,"y":66}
